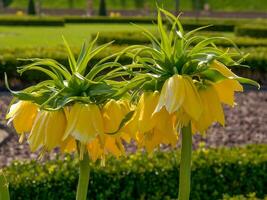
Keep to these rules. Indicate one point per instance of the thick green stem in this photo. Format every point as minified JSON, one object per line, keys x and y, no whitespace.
{"x":4,"y":193}
{"x":185,"y":164}
{"x":83,"y":178}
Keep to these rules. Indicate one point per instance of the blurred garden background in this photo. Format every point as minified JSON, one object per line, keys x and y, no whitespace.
{"x":228,"y":163}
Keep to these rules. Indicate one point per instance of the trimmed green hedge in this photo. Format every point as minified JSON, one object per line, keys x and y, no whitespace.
{"x":31,"y":21}
{"x":188,"y":23}
{"x":257,"y":31}
{"x":124,"y":38}
{"x":101,"y":19}
{"x":242,"y":197}
{"x":9,"y":61}
{"x":215,"y":172}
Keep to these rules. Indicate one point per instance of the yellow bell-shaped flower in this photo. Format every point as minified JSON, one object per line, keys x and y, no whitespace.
{"x":23,"y":114}
{"x":212,"y":109}
{"x":48,"y":130}
{"x":153,"y":129}
{"x":179,"y":92}
{"x":84,"y":122}
{"x":113,"y":113}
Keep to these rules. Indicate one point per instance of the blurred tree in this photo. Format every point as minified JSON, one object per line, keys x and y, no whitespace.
{"x":39,"y":6}
{"x":102,"y":8}
{"x":89,"y":7}
{"x":31,"y":8}
{"x":71,"y":4}
{"x":123,"y":3}
{"x":139,"y":3}
{"x":6,"y":3}
{"x":177,"y":6}
{"x":198,"y":4}
{"x":1,"y":5}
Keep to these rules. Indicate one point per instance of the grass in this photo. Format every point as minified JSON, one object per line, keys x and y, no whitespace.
{"x":19,"y":36}
{"x":221,"y":5}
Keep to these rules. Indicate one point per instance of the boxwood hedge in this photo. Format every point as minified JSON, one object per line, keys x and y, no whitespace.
{"x":31,"y":21}
{"x":215,"y":173}
{"x":257,"y":31}
{"x":124,"y":38}
{"x":9,"y":61}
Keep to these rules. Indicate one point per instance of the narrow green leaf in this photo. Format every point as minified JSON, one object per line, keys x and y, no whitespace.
{"x":248,"y":81}
{"x":71,"y":57}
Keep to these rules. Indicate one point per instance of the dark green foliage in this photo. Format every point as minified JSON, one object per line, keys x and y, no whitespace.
{"x":9,"y":62}
{"x":198,"y":4}
{"x":9,"y":59}
{"x":71,"y":4}
{"x":7,"y":2}
{"x":215,"y":172}
{"x":139,"y":3}
{"x":31,"y":21}
{"x":31,"y":8}
{"x":257,"y":31}
{"x":242,"y":197}
{"x":102,"y":8}
{"x":124,"y":38}
{"x":143,"y":20}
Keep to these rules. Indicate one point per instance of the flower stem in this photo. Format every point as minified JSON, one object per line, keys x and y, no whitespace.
{"x":4,"y":193}
{"x":185,"y":164}
{"x":83,"y":177}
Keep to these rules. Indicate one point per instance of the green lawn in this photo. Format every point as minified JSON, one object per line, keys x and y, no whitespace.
{"x":226,"y":5}
{"x":19,"y":36}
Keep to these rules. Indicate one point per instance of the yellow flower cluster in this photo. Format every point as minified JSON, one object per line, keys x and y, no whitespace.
{"x":94,"y":127}
{"x":157,"y":118}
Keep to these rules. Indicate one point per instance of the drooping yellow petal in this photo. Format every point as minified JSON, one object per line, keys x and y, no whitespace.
{"x":55,"y":128}
{"x":212,"y":109}
{"x":172,"y":94}
{"x":114,"y":146}
{"x":166,"y":126}
{"x":48,"y":130}
{"x":222,"y":69}
{"x":112,"y":116}
{"x":226,"y":90}
{"x":95,"y":149}
{"x":23,"y":114}
{"x":192,"y":104}
{"x":147,"y":103}
{"x":37,"y":134}
{"x":84,"y":122}
{"x":68,"y":145}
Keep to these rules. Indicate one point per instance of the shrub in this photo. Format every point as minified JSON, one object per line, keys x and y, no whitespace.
{"x":9,"y":59}
{"x":215,"y":172}
{"x":102,"y":8}
{"x":9,"y":62}
{"x":31,"y":8}
{"x":31,"y":21}
{"x":101,"y":19}
{"x":252,"y":31}
{"x":242,"y":197}
{"x":123,"y":38}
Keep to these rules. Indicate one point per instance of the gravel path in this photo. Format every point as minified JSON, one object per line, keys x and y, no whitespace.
{"x":245,"y":124}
